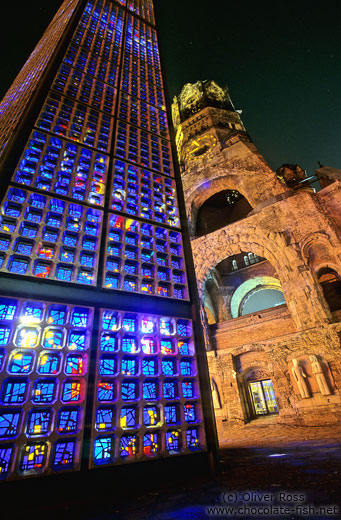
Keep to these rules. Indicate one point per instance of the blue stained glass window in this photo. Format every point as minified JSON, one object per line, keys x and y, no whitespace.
{"x":5,"y":460}
{"x":173,"y":440}
{"x":110,"y":320}
{"x":38,"y":422}
{"x":192,"y":438}
{"x":128,"y":445}
{"x":107,"y":366}
{"x":129,"y":390}
{"x":80,"y":317}
{"x":167,"y":346}
{"x":186,"y":367}
{"x":149,"y":367}
{"x":74,"y":365}
{"x":77,"y":340}
{"x":129,"y":323}
{"x":4,"y":243}
{"x":7,"y":309}
{"x":9,"y":424}
{"x":17,"y":265}
{"x":57,"y":314}
{"x":130,"y":267}
{"x":168,"y":367}
{"x":150,"y":443}
{"x":189,"y":413}
{"x":34,"y":310}
{"x":69,"y":239}
{"x":89,"y":243}
{"x":21,"y":363}
{"x":150,"y":390}
{"x":41,"y":269}
{"x":67,"y":420}
{"x":150,"y":415}
{"x":33,"y":215}
{"x":128,"y":417}
{"x":53,"y":338}
{"x":103,"y":450}
{"x":130,"y":284}
{"x":44,"y":391}
{"x":112,"y":281}
{"x":71,"y":391}
{"x":179,"y":292}
{"x":50,"y":235}
{"x":17,"y":195}
{"x":106,"y":391}
{"x":8,"y":225}
{"x":167,"y":326}
{"x":87,"y":259}
{"x":170,"y":390}
{"x":67,"y":255}
{"x":104,"y":418}
{"x":14,"y":391}
{"x":171,"y":414}
{"x":64,"y":452}
{"x":185,"y":348}
{"x":109,"y":342}
{"x":129,"y":344}
{"x":28,"y":230}
{"x":187,"y":389}
{"x":129,"y":366}
{"x":184,"y":328}
{"x":64,"y":273}
{"x":59,"y":206}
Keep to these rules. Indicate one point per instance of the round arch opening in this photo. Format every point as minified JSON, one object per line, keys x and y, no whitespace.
{"x":221,"y":209}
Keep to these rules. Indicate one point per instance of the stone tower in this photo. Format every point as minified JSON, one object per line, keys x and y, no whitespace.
{"x":266,"y":249}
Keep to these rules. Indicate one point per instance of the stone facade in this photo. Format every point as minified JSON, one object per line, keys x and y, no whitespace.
{"x":294,"y":233}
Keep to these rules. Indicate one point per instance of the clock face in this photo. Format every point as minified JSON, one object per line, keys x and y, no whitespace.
{"x":200,"y":147}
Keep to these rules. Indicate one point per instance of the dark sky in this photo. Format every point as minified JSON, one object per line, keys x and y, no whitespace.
{"x":280,"y":60}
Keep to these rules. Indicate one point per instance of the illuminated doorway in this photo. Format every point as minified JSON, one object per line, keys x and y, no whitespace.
{"x":263,"y":397}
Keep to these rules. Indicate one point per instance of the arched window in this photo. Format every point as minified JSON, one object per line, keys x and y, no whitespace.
{"x":256,"y":294}
{"x":331,"y":287}
{"x":223,"y":208}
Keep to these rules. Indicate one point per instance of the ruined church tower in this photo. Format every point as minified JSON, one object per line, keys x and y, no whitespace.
{"x":267,"y":255}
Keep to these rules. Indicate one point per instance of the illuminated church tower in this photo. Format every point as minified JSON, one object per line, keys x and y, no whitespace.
{"x":266,"y":249}
{"x":97,"y":339}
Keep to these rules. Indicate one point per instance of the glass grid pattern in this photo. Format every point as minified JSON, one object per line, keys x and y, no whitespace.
{"x":138,"y":192}
{"x":147,"y":400}
{"x":64,"y":168}
{"x":143,"y":8}
{"x":145,"y":149}
{"x":144,"y":258}
{"x":49,"y":238}
{"x":76,"y":121}
{"x":139,"y":113}
{"x":43,"y":385}
{"x":85,"y":88}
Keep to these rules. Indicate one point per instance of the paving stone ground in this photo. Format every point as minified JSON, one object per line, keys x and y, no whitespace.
{"x":265,"y":432}
{"x":296,"y":462}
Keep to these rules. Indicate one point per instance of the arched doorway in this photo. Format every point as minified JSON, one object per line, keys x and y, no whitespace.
{"x":260,"y":393}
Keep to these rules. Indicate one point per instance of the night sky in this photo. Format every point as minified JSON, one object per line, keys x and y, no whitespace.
{"x":280,"y":60}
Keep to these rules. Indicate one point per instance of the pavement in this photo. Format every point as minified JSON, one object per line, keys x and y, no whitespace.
{"x":275,"y":473}
{"x":266,"y":431}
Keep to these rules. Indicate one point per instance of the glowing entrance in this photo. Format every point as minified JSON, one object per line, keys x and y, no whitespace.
{"x":263,"y":397}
